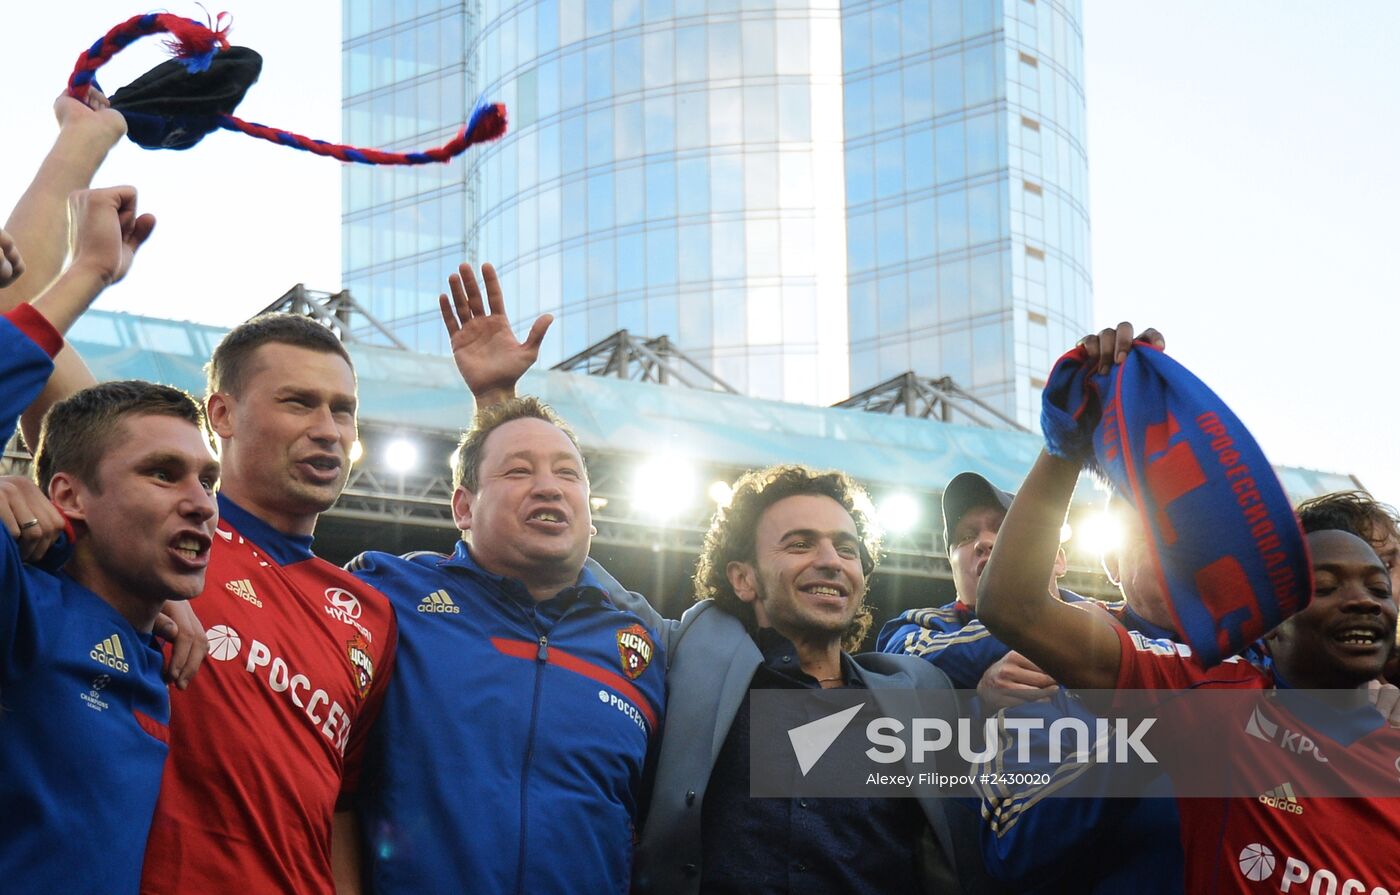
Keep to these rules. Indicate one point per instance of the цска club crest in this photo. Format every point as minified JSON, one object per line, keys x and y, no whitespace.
{"x":634,"y":648}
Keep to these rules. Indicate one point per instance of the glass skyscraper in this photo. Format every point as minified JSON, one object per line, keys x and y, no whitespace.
{"x":966,"y":189}
{"x":808,"y":197}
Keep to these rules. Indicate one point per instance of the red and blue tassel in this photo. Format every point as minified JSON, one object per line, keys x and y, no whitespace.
{"x":195,"y":45}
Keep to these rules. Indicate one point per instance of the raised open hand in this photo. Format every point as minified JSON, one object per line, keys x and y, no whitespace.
{"x":487,"y":353}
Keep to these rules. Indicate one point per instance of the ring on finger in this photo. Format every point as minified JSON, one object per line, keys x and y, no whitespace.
{"x":30,"y":524}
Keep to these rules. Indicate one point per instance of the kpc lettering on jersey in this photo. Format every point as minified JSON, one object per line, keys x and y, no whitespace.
{"x":269,"y":735}
{"x":1280,"y":840}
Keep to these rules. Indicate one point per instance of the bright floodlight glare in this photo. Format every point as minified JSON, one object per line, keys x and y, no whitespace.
{"x":721,"y":493}
{"x":1066,"y":532}
{"x":663,"y":486}
{"x":401,"y":455}
{"x":1099,"y":533}
{"x":898,"y":512}
{"x":357,"y":450}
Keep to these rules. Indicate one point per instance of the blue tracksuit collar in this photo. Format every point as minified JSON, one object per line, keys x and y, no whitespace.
{"x":284,"y":548}
{"x":586,"y":588}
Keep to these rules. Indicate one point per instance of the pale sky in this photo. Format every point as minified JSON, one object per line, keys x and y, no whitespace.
{"x":1242,"y":193}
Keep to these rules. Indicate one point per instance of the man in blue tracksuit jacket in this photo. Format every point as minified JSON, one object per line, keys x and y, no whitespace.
{"x":950,"y":637}
{"x":83,"y":733}
{"x":509,"y":753}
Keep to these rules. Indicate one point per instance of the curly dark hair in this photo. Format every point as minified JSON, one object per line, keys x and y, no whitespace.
{"x":1353,"y":511}
{"x":734,"y":530}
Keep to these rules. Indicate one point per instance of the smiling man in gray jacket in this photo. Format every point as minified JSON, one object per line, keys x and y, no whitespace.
{"x":780,"y":587}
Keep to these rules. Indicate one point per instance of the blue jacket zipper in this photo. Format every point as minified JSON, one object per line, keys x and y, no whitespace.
{"x":541,"y":659}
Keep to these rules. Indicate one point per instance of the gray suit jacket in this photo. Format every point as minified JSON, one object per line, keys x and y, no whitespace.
{"x":711,"y":660}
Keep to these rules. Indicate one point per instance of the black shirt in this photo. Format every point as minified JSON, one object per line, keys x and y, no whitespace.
{"x":758,"y":846}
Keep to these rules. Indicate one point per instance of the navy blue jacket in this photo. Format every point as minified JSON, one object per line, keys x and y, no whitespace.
{"x":508,"y":756}
{"x":950,"y":638}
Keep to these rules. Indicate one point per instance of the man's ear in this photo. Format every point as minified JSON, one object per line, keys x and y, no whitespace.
{"x":66,"y":494}
{"x":1061,"y":564}
{"x":741,"y":578}
{"x":462,"y":501}
{"x":219,"y":409}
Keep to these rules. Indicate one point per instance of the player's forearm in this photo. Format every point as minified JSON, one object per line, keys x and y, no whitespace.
{"x":39,"y":222}
{"x":1011,"y":596}
{"x":495,"y":395}
{"x":69,"y":296}
{"x":70,"y":375}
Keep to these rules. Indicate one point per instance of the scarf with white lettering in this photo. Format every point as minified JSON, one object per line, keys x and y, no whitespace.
{"x":1230,"y":556}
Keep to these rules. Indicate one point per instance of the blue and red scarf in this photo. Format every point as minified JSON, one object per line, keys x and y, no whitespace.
{"x":1230,"y":556}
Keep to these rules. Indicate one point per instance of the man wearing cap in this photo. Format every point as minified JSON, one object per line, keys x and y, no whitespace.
{"x":951,"y":637}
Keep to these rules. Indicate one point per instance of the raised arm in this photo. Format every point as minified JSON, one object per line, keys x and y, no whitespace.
{"x":39,"y":222}
{"x":1075,"y":645}
{"x":39,"y":226}
{"x":107,"y":232}
{"x":488,"y":356}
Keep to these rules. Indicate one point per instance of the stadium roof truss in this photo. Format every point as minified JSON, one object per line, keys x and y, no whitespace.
{"x":620,"y":420}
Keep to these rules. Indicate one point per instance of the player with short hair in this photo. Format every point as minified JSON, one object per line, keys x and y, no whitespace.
{"x":1376,"y":523}
{"x":1340,"y":642}
{"x":84,"y":733}
{"x":510,"y":752}
{"x":269,"y":736}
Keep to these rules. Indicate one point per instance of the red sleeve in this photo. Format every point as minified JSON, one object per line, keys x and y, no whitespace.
{"x":1148,"y":664}
{"x":369,"y":712}
{"x":37,"y":327}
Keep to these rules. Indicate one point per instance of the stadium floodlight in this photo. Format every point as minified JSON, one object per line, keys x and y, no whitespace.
{"x":663,"y":486}
{"x":401,"y":455}
{"x":1066,"y":532}
{"x":597,"y":503}
{"x":898,"y":512}
{"x":357,"y":450}
{"x":1098,"y":533}
{"x":721,"y":493}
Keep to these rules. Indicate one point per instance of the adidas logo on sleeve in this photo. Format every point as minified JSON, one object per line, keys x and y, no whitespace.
{"x":438,"y":601}
{"x":109,"y":653}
